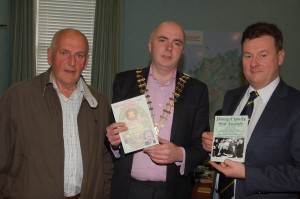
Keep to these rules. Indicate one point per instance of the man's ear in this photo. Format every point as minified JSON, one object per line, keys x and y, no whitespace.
{"x":149,"y":46}
{"x":86,"y":61}
{"x":281,"y":57}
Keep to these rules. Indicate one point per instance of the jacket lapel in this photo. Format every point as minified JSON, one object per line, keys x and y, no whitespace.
{"x":178,"y":108}
{"x":235,"y":101}
{"x":274,"y":106}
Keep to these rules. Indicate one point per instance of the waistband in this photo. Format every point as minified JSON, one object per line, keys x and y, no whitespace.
{"x":77,"y":196}
{"x":150,"y":183}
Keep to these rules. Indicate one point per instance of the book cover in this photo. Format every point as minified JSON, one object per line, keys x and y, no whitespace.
{"x":134,"y":112}
{"x":230,"y":134}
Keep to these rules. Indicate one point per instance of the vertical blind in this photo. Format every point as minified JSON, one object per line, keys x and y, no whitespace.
{"x":53,"y":15}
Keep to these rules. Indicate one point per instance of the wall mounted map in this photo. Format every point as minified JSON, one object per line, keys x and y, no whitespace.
{"x":215,"y":59}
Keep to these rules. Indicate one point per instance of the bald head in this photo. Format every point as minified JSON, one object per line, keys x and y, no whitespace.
{"x":166,"y":24}
{"x":65,"y":33}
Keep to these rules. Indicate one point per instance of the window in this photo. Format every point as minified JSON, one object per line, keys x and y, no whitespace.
{"x":53,"y":15}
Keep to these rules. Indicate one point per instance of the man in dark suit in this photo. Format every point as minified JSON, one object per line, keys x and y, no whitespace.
{"x":272,"y":162}
{"x":179,"y":105}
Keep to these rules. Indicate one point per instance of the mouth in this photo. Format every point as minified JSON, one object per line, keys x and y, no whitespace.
{"x":70,"y":71}
{"x":255,"y":72}
{"x":167,"y":56}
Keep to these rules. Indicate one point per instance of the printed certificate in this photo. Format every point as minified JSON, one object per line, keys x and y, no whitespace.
{"x":134,"y":112}
{"x":230,"y":134}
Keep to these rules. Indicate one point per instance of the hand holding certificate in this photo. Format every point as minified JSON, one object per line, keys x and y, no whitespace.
{"x":230,"y":134}
{"x":134,"y":112}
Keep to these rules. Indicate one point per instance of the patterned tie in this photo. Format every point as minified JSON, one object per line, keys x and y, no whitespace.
{"x":226,"y":185}
{"x":248,"y":109}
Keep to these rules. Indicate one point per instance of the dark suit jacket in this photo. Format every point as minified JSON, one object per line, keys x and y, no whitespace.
{"x":189,"y":120}
{"x":273,"y":153}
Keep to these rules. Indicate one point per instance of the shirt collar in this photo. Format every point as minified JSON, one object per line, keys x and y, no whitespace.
{"x":168,"y":83}
{"x":82,"y":87}
{"x":266,"y":92}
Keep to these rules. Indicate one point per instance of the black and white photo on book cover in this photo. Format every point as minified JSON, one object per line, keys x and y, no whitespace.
{"x":230,"y":134}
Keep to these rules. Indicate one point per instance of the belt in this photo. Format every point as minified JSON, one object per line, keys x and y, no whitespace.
{"x":77,"y":196}
{"x":150,"y":183}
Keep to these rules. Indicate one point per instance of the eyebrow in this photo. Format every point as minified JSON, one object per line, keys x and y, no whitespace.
{"x":179,"y":40}
{"x":164,"y":37}
{"x":161,"y":37}
{"x":66,"y":50}
{"x":262,"y":51}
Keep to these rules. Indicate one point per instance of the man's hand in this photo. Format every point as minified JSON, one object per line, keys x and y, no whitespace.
{"x":230,"y":168}
{"x":165,"y":152}
{"x":112,"y":133}
{"x":207,"y":138}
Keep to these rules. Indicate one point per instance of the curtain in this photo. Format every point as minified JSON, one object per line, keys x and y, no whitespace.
{"x":22,"y":40}
{"x":107,"y":45}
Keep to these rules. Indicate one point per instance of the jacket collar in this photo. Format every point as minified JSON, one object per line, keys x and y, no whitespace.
{"x":47,"y":81}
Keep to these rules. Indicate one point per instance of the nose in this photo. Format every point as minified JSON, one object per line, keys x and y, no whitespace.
{"x":169,"y":46}
{"x":72,"y":60}
{"x":254,"y":62}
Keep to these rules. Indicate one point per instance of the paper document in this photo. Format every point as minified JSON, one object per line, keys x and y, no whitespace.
{"x":134,"y":112}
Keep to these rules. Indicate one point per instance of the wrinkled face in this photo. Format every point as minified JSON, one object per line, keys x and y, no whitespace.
{"x":68,"y":58}
{"x":261,"y":61}
{"x":166,"y":45}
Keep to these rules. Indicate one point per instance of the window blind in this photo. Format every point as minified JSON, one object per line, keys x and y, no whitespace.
{"x":53,"y":15}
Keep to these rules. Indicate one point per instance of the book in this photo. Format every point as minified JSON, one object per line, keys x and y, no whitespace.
{"x":230,"y":134}
{"x":134,"y":112}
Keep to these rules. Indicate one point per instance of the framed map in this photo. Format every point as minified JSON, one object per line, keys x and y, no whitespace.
{"x":215,"y":59}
